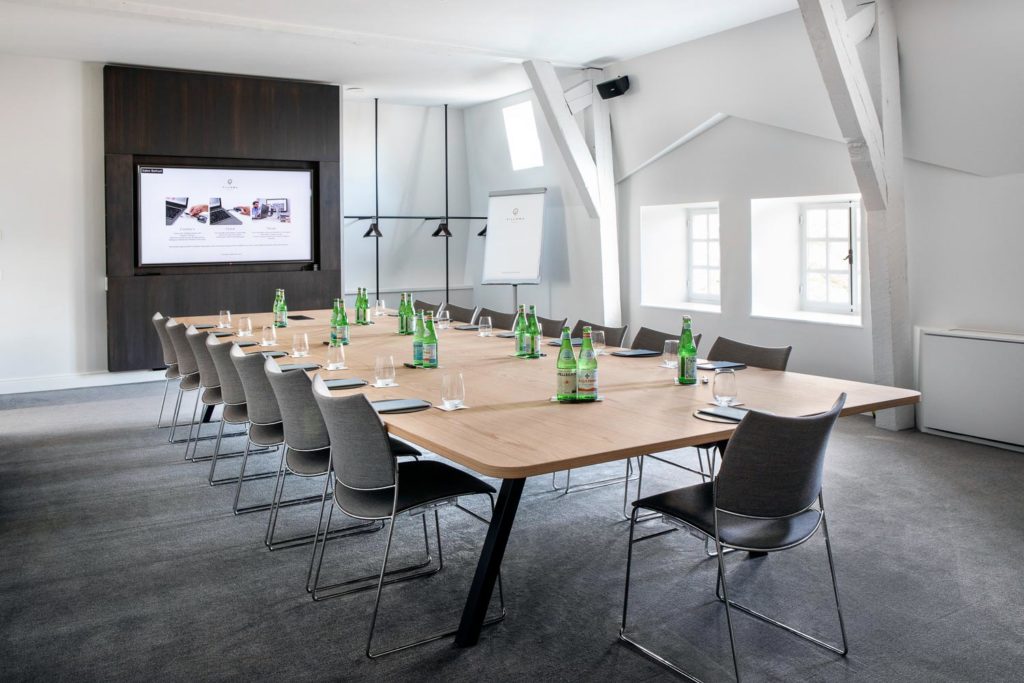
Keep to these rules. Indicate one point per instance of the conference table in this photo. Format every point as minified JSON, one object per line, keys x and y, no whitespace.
{"x":511,"y":428}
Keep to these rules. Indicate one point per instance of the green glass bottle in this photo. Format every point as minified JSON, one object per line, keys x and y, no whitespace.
{"x":276,"y":308}
{"x":417,"y":341}
{"x":533,"y":334}
{"x":522,"y":341}
{"x":343,"y":322}
{"x":364,"y":304}
{"x":586,"y":370}
{"x":335,"y":323}
{"x":401,"y":315}
{"x":282,"y":312}
{"x":565,"y":388}
{"x":411,"y":316}
{"x":687,"y":354}
{"x":429,"y":341}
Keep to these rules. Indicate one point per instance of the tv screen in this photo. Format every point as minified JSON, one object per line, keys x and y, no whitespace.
{"x":191,"y":215}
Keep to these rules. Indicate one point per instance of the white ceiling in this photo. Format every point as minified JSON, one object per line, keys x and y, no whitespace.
{"x":416,"y":51}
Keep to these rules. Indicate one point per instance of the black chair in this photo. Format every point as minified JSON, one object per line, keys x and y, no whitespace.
{"x":370,"y":484}
{"x":652,"y":340}
{"x":499,"y":321}
{"x":762,"y":501}
{"x":550,"y":327}
{"x":767,"y":357}
{"x":459,"y":314}
{"x":170,"y":360}
{"x":613,"y":336}
{"x":427,"y":307}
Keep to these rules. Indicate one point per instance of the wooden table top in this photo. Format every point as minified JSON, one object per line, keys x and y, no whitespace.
{"x":511,"y":429}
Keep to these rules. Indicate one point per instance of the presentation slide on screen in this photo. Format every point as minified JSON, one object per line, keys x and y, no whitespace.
{"x":215,"y":215}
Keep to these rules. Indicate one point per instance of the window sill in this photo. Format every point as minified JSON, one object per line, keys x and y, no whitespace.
{"x":687,"y":306}
{"x":838,"y":319}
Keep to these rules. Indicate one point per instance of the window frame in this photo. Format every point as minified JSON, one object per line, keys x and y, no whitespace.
{"x":691,"y":296}
{"x":851,"y":307}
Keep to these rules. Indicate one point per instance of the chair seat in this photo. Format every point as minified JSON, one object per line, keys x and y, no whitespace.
{"x":212,"y":396}
{"x":308,"y":463}
{"x":695,"y":505}
{"x":419,"y":482}
{"x":236,"y":414}
{"x":401,"y":448}
{"x":267,"y":435}
{"x":172,"y":372}
{"x":190,"y":382}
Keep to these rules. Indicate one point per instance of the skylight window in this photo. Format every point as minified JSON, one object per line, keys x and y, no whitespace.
{"x":521,"y":131}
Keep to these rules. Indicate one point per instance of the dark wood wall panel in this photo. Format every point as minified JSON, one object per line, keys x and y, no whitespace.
{"x":156,"y":116}
{"x":132,"y":301}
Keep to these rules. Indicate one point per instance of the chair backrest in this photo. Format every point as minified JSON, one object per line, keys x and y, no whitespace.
{"x":360,"y":450}
{"x":767,"y":357}
{"x":208,"y":377}
{"x":304,"y":428}
{"x":613,"y":336}
{"x":773,"y":465}
{"x":187,"y":364}
{"x":160,"y":323}
{"x":499,"y":320}
{"x":550,"y":327}
{"x":425,"y":306}
{"x":260,"y":401}
{"x":653,"y":340}
{"x":231,"y":387}
{"x":460,"y":314}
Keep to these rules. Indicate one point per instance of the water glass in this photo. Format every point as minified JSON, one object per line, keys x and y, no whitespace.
{"x":597,"y":339}
{"x":384,"y":371}
{"x":300,"y":345}
{"x":671,"y":353}
{"x":225,"y":320}
{"x":244,"y":327}
{"x":380,"y":308}
{"x":453,"y":391}
{"x":444,"y":319}
{"x":336,"y":357}
{"x":484,"y":325}
{"x":269,"y":336}
{"x":724,"y":388}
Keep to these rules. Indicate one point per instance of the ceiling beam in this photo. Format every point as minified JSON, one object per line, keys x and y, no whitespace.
{"x":860,"y":25}
{"x":689,"y":135}
{"x":608,"y":223}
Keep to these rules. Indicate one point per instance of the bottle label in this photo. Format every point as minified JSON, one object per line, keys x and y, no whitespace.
{"x":566,"y":383}
{"x":534,"y":346}
{"x":417,"y":353}
{"x":688,"y":370}
{"x":430,"y":355}
{"x":586,"y":383}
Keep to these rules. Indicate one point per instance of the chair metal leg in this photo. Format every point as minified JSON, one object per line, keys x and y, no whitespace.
{"x":316,"y":536}
{"x":160,"y":417}
{"x":567,"y":489}
{"x":174,"y":420}
{"x":191,"y":425}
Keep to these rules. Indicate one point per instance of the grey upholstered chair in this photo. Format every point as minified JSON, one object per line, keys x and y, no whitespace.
{"x":499,"y":320}
{"x":767,"y":357}
{"x":425,"y":306}
{"x":763,"y":500}
{"x":652,"y":340}
{"x":170,"y":360}
{"x":613,"y":336}
{"x":209,"y":381}
{"x":370,"y":484}
{"x":188,"y":369}
{"x":550,"y":327}
{"x":461,"y":315}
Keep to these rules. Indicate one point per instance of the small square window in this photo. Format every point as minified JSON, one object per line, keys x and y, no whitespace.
{"x":521,"y":133}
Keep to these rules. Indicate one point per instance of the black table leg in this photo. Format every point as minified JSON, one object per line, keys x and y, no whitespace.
{"x":490,"y":562}
{"x":208,"y":413}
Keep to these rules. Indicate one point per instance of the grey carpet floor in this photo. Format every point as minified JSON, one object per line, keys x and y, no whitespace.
{"x":119,"y":562}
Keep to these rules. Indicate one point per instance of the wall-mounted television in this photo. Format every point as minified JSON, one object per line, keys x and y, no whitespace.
{"x":189,"y":215}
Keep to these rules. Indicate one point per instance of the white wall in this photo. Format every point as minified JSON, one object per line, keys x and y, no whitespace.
{"x":52,"y":262}
{"x":411,"y":157}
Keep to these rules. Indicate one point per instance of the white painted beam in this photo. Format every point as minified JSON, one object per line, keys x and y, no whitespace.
{"x":567,"y":134}
{"x":689,"y":135}
{"x":847,"y":86}
{"x":860,"y":25}
{"x":579,"y":97}
{"x":609,"y":214}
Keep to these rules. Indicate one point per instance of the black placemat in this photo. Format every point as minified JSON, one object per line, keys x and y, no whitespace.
{"x":400,"y":405}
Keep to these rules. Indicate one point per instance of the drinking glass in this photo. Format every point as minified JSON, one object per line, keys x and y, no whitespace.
{"x":380,"y":308}
{"x":671,"y":353}
{"x":244,"y":327}
{"x":724,"y":388}
{"x":597,"y":339}
{"x":453,"y":391}
{"x":444,"y":318}
{"x":384,"y":371}
{"x":225,"y":320}
{"x":336,"y":357}
{"x":269,"y":336}
{"x":300,"y":345}
{"x":484,"y":325}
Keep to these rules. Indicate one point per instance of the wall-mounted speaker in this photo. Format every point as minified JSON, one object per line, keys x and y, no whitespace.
{"x":613,"y":88}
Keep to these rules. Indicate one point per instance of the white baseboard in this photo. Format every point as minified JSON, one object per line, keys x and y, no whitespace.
{"x":21,"y":385}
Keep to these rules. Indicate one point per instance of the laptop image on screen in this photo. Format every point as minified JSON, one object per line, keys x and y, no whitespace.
{"x":218,"y":216}
{"x":175,"y":207}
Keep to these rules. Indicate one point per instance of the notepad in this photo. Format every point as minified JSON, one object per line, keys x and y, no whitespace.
{"x":275,"y":354}
{"x":243,"y":345}
{"x":576,"y":341}
{"x":222,"y":334}
{"x":720,"y":365}
{"x":299,"y":317}
{"x":344,"y":383}
{"x":400,"y":405}
{"x":725,"y":413}
{"x":637,"y":353}
{"x":467,"y":328}
{"x":300,"y":366}
{"x":208,"y":326}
